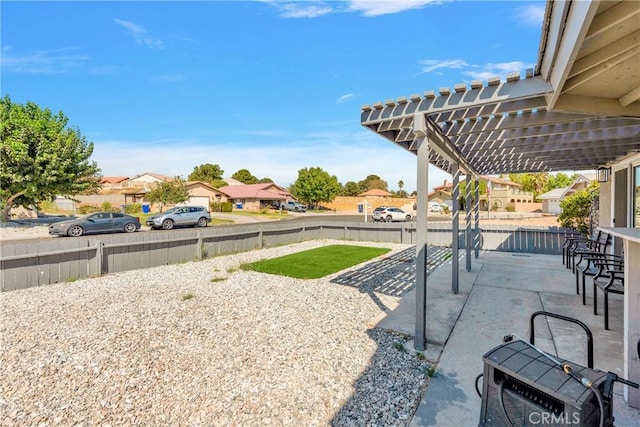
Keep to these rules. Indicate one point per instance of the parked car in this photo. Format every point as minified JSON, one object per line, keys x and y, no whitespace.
{"x":436,"y":208}
{"x":389,"y":214}
{"x":95,"y":223}
{"x":180,"y":216}
{"x":294,"y":206}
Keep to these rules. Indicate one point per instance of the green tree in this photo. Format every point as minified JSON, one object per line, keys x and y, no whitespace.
{"x":244,"y":176}
{"x":559,"y":180}
{"x":209,"y":173}
{"x":41,"y":157}
{"x":264,"y":180}
{"x":576,"y":209}
{"x":400,"y":192}
{"x":373,"y":182}
{"x":350,"y":189}
{"x":169,"y":193}
{"x":534,"y":182}
{"x":462,"y":198}
{"x":314,"y":185}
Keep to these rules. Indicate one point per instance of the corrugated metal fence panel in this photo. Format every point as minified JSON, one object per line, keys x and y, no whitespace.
{"x":230,"y":239}
{"x":282,"y":234}
{"x":44,"y":264}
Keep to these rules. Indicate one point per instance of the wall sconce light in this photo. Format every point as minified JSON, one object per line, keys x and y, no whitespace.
{"x":603,"y":174}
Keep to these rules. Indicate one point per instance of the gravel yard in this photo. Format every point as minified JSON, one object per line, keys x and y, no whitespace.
{"x":205,"y":343}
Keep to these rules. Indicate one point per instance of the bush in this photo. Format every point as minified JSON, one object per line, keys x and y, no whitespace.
{"x":576,"y":209}
{"x":108,"y":207}
{"x":87,"y":209}
{"x":215,"y":206}
{"x":47,"y":206}
{"x":133,"y":209}
{"x":226,"y":207}
{"x":510,"y":208}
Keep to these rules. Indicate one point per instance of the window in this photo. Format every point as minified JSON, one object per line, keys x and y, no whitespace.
{"x":117,"y":215}
{"x":636,"y":196}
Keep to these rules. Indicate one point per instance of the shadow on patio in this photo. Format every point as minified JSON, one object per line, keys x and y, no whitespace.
{"x":496,"y":298}
{"x":393,"y":275}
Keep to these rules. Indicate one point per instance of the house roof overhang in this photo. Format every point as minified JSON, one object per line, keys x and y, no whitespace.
{"x":577,"y":110}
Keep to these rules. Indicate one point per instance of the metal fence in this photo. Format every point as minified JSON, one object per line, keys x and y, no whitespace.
{"x":56,"y":260}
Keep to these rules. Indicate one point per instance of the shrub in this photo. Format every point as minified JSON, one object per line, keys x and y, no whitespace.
{"x":226,"y":207}
{"x":215,"y":207}
{"x":87,"y":209}
{"x":576,"y":209}
{"x":47,"y":206}
{"x":510,"y":208}
{"x":133,"y":209}
{"x":107,"y":207}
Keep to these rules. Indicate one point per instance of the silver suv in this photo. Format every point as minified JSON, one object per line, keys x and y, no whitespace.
{"x":180,"y":216}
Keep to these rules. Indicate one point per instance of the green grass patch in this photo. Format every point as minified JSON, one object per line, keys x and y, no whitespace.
{"x":316,"y":263}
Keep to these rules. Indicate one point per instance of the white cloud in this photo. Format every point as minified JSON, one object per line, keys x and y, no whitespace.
{"x":532,"y":14}
{"x":297,"y":10}
{"x":300,"y":9}
{"x":368,"y":8}
{"x":378,"y":7}
{"x":430,"y":65}
{"x":344,"y":98}
{"x":500,"y":69}
{"x":139,"y":34}
{"x":56,"y":61}
{"x":476,"y":72}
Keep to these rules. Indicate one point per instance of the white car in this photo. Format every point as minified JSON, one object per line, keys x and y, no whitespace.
{"x":436,"y":208}
{"x":390,"y":214}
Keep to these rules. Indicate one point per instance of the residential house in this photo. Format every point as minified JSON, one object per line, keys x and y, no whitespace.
{"x":255,"y":196}
{"x":502,"y":193}
{"x":551,"y":199}
{"x":112,"y":182}
{"x":137,"y":187}
{"x":441,"y":194}
{"x":203,"y":194}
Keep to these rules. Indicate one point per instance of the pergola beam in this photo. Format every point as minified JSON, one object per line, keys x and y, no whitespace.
{"x":557,"y":130}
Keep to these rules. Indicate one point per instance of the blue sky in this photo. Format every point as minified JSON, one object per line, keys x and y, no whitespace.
{"x":270,"y":86}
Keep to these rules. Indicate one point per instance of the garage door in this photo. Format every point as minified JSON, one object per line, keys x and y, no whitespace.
{"x":199,"y":201}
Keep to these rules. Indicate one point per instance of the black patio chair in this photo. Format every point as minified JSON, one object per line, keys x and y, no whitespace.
{"x":588,"y":266}
{"x":572,"y":237}
{"x":610,"y":279}
{"x":591,"y":247}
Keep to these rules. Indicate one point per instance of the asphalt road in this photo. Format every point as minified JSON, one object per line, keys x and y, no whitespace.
{"x":240,"y":219}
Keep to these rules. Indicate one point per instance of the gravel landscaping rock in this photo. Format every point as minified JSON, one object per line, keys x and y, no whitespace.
{"x":205,"y":343}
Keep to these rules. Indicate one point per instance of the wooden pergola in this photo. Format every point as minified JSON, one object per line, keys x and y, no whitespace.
{"x":578,"y":109}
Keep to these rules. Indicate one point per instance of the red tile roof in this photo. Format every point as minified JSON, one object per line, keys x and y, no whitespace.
{"x":264,"y":191}
{"x":113,"y":179}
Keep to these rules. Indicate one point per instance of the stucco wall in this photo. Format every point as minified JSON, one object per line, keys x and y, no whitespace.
{"x":350,"y":204}
{"x":528,"y":207}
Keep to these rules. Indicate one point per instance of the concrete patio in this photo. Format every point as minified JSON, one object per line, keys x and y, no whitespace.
{"x":496,"y":298}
